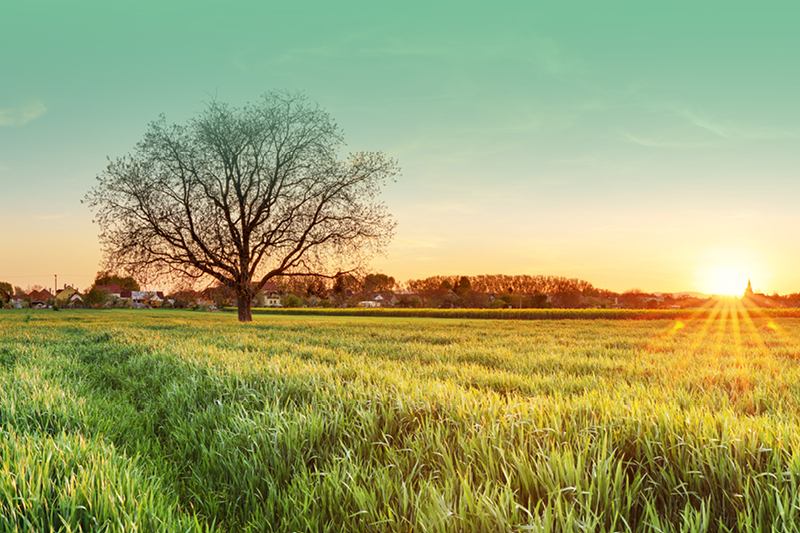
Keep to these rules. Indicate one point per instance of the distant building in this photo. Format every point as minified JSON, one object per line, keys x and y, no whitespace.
{"x":145,"y":299}
{"x":64,"y":296}
{"x":112,"y":290}
{"x":39,"y":299}
{"x":756,"y":299}
{"x":271,"y":296}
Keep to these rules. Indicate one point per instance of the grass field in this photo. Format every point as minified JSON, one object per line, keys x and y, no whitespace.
{"x":181,"y":421}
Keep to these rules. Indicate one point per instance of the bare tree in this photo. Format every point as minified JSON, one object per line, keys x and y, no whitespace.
{"x":242,"y":196}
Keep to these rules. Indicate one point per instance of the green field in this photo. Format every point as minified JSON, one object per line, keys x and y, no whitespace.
{"x":180,"y":421}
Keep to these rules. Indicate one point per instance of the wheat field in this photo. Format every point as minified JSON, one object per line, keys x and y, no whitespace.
{"x":180,"y":421}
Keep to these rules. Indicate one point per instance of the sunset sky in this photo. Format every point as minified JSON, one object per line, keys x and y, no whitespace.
{"x":633,"y":145}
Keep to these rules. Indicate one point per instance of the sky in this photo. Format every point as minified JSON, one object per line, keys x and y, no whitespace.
{"x":630,"y":144}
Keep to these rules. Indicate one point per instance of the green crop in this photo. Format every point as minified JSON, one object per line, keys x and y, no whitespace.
{"x":180,"y":421}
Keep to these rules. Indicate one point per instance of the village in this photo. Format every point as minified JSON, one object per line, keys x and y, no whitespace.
{"x":376,"y":291}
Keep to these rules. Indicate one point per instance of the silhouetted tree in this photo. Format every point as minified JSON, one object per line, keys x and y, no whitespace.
{"x":463,"y":286}
{"x":242,"y":197}
{"x":123,"y":282}
{"x":378,"y":283}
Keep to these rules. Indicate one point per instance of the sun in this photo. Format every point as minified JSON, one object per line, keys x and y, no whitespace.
{"x":727,"y":280}
{"x":727,"y":272}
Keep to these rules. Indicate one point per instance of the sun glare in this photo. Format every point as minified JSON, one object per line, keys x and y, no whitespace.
{"x":727,"y":280}
{"x":726,"y":273}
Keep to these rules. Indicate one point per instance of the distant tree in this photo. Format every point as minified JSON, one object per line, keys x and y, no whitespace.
{"x":316,"y":287}
{"x":243,"y":196}
{"x":7,"y":287}
{"x":567,"y":299}
{"x":291,"y":300}
{"x":463,"y":286}
{"x":378,"y":283}
{"x":345,"y":284}
{"x":537,"y":301}
{"x":633,"y":299}
{"x":473,"y":299}
{"x":429,"y":286}
{"x":126,"y":283}
{"x":18,"y":290}
{"x":221,"y":295}
{"x":95,"y":297}
{"x":409,"y":301}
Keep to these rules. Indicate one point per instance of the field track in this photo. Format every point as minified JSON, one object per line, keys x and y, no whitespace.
{"x":187,"y":421}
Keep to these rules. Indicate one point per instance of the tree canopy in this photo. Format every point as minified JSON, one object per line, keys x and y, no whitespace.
{"x":241,"y":196}
{"x":123,"y":282}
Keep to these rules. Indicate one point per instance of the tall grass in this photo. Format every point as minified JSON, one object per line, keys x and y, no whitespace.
{"x":162,"y":421}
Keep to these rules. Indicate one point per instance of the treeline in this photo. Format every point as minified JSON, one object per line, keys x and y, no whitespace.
{"x":483,"y":291}
{"x":502,"y":290}
{"x":502,"y":283}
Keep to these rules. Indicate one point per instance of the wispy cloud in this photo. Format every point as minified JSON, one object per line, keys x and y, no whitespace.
{"x":51,"y":217}
{"x":21,"y":114}
{"x":662,"y":142}
{"x":544,"y":53}
{"x":730,"y":129}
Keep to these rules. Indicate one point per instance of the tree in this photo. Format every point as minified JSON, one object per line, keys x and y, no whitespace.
{"x":123,"y":282}
{"x":5,"y":292}
{"x":242,"y":196}
{"x":464,"y":286}
{"x":378,"y":283}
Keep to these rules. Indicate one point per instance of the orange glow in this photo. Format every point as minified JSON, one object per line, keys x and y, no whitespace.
{"x":727,"y":280}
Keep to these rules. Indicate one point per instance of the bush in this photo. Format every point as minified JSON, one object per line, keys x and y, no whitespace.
{"x":291,"y":300}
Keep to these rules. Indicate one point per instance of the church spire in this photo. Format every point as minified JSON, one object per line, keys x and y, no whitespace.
{"x":749,"y":290}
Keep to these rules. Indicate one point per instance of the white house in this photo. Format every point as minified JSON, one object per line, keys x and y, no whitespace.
{"x":143,"y":299}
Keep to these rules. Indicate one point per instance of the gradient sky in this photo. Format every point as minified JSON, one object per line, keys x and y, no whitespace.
{"x":630,"y":144}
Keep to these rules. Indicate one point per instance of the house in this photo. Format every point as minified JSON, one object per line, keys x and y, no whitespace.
{"x":64,"y":295}
{"x":271,"y":296}
{"x":147,"y":299}
{"x":18,"y":300}
{"x":75,"y":300}
{"x":39,"y":299}
{"x":111,"y":290}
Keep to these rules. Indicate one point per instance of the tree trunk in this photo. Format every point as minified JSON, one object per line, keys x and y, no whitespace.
{"x":244,"y":303}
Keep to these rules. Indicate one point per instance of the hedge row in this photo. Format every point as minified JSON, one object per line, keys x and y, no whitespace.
{"x":531,"y":314}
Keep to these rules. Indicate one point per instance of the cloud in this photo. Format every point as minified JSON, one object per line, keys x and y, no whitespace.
{"x":706,"y":123}
{"x":543,"y":53}
{"x":662,"y":143}
{"x":730,"y":130}
{"x":22,"y":114}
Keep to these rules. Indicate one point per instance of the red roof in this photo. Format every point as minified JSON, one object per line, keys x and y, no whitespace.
{"x":113,"y":289}
{"x":41,"y":295}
